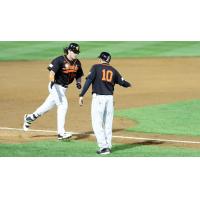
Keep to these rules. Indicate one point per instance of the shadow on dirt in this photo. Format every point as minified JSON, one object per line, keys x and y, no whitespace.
{"x":43,"y":136}
{"x":87,"y":134}
{"x":80,"y":136}
{"x":135,"y":144}
{"x":114,"y":131}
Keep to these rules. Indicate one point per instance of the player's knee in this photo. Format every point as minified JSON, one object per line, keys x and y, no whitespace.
{"x":63,"y":106}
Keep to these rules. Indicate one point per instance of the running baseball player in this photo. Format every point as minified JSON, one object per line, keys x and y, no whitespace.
{"x":103,"y":78}
{"x":62,"y":72}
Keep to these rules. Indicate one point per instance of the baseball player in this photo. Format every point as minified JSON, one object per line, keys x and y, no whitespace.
{"x":103,"y":78}
{"x":62,"y":72}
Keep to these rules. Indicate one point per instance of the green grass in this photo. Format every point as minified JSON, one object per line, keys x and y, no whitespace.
{"x":48,"y":148}
{"x":87,"y":149}
{"x":180,"y":118}
{"x":45,"y":50}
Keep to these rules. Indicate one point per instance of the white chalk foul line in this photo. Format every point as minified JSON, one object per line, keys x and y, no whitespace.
{"x":114,"y":136}
{"x":159,"y":140}
{"x":32,"y":130}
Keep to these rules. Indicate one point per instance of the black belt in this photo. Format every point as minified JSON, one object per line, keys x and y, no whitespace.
{"x":63,"y":85}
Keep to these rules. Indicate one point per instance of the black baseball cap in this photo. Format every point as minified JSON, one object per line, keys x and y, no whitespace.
{"x":105,"y":56}
{"x":73,"y":47}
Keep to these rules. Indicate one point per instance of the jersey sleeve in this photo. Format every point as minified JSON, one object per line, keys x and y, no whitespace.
{"x":79,"y":71}
{"x":56,"y":64}
{"x":85,"y":87}
{"x":92,"y":73}
{"x":120,"y":80}
{"x":89,"y":80}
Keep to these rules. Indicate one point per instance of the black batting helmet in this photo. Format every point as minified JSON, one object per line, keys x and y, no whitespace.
{"x":73,"y":47}
{"x":105,"y":56}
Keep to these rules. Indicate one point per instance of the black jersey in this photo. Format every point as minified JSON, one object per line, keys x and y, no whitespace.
{"x":103,"y":78}
{"x":65,"y":70}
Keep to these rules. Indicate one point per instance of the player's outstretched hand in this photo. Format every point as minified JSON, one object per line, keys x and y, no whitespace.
{"x":81,"y":101}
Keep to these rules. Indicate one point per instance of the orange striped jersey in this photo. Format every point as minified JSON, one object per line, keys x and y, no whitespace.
{"x":66,"y":70}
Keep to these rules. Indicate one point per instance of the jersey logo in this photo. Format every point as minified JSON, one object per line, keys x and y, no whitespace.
{"x":70,"y":69}
{"x":107,"y":75}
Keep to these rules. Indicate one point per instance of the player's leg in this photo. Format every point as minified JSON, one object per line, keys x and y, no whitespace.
{"x":62,"y":106}
{"x":97,"y":113}
{"x":48,"y":104}
{"x":52,"y":100}
{"x":109,"y":120}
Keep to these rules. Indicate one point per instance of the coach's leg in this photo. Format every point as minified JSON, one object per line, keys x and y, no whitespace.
{"x":97,"y":112}
{"x":109,"y":120}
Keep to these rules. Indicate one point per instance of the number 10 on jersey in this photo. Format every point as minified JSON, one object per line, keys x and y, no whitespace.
{"x":107,"y":75}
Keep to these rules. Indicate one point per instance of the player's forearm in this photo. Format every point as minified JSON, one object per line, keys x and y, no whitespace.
{"x":85,"y":87}
{"x":78,"y":80}
{"x":78,"y":83}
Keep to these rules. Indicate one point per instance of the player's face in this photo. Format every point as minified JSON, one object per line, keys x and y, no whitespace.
{"x":72,"y":55}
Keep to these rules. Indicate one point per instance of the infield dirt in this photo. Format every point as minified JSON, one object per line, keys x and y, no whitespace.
{"x":23,"y":87}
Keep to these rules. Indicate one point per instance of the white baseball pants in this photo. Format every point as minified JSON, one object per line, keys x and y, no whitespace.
{"x":56,"y":98}
{"x":102,"y":119}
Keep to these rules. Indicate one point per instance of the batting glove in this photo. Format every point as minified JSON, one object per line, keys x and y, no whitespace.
{"x":78,"y":85}
{"x":51,"y":84}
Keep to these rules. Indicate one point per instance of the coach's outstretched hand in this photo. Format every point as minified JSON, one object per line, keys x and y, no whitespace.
{"x":81,"y":101}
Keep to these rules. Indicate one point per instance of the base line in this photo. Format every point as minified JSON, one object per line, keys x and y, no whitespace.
{"x":33,"y":130}
{"x":114,"y":136}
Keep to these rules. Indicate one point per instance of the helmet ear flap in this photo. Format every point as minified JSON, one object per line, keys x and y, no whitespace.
{"x":108,"y":59}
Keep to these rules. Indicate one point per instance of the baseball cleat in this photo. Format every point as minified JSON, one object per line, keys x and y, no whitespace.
{"x":64,"y":136}
{"x":27,"y":122}
{"x":104,"y":151}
